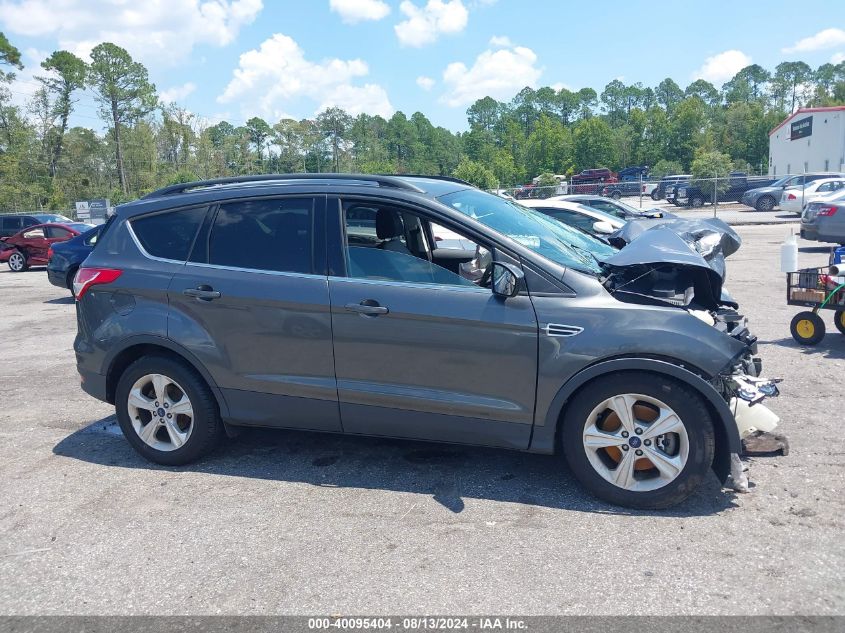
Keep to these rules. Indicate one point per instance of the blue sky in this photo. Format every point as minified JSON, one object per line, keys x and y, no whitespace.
{"x":237,"y":58}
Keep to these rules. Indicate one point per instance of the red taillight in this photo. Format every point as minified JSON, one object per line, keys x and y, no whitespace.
{"x":791,"y":197}
{"x":826,"y":212}
{"x":50,"y":253}
{"x":87,"y":277}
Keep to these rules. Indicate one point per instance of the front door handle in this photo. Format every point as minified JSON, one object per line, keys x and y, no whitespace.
{"x":203,"y":292}
{"x":368,"y":307}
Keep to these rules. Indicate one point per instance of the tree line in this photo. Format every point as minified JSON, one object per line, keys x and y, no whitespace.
{"x":147,"y":143}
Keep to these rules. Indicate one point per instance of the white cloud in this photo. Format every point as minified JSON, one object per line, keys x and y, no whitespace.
{"x":837,"y":58}
{"x":558,"y":86}
{"x":177,"y":93}
{"x":426,"y":83}
{"x":828,"y":38}
{"x":722,"y":67}
{"x":500,"y":41}
{"x":163,"y":31}
{"x":496,"y":73}
{"x":424,"y":25}
{"x":354,"y":11}
{"x":270,"y":77}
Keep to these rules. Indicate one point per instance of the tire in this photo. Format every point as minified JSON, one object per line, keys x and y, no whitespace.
{"x":655,"y":195}
{"x":839,"y":320}
{"x":18,"y":262}
{"x":646,"y":487}
{"x":69,"y":279}
{"x":616,"y":195}
{"x":807,"y":328}
{"x":174,"y":442}
{"x":765,"y":203}
{"x":696,"y":202}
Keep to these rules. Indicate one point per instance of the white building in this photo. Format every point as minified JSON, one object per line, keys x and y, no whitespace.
{"x":808,"y":140}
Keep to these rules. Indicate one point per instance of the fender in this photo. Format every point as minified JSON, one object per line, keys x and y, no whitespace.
{"x":158,"y":341}
{"x":543,"y":438}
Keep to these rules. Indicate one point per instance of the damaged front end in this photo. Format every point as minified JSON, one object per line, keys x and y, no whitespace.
{"x":681,"y":264}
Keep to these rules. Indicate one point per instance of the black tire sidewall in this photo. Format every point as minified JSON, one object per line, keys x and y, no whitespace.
{"x":768,"y":207}
{"x":683,"y":400}
{"x":818,"y":324}
{"x":207,"y":425}
{"x":839,"y":320}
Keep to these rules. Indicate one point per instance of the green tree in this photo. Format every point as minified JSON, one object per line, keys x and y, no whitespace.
{"x":593,"y":144}
{"x":748,"y":85}
{"x":788,"y":84}
{"x":665,"y":167}
{"x":704,"y":90}
{"x":476,"y":174}
{"x":124,"y":93}
{"x":9,"y":56}
{"x":67,"y":75}
{"x":668,"y":94}
{"x":710,"y":170}
{"x":259,"y":132}
{"x":334,"y":123}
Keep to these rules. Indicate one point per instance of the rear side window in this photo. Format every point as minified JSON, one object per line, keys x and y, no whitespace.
{"x":169,"y":235}
{"x":276,"y":235}
{"x":12,"y":224}
{"x":57,"y":232}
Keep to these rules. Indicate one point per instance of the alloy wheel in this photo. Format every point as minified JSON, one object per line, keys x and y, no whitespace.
{"x":16,"y":262}
{"x":636,"y":442}
{"x":161,"y":412}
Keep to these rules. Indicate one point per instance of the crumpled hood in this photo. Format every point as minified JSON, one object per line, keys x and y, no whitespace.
{"x":678,"y":261}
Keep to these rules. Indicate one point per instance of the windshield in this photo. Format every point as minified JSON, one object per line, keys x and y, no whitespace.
{"x":533,"y":230}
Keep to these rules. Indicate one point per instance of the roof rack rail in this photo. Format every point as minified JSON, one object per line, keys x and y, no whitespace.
{"x":429,"y":177}
{"x":383,"y":181}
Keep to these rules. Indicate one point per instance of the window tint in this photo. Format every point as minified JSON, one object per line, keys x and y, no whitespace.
{"x":608,"y":207}
{"x":390,"y":244}
{"x":275,"y":235}
{"x":12,"y":224}
{"x":57,"y":232}
{"x":169,"y":235}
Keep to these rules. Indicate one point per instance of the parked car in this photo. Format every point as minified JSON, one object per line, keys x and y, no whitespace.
{"x":30,"y":247}
{"x":697,"y":194}
{"x":596,"y":223}
{"x":666,"y":184}
{"x":11,"y":223}
{"x":633,"y":173}
{"x":794,"y":199}
{"x":618,"y":208}
{"x":242,"y":301}
{"x":64,"y":258}
{"x":591,"y":180}
{"x":617,"y":190}
{"x":824,"y":220}
{"x":768,"y":197}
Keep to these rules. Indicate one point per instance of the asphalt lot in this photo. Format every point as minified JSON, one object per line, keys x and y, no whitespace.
{"x":289,"y":522}
{"x":731,"y":212}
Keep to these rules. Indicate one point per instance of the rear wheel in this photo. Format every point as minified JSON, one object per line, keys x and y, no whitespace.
{"x":655,"y":195}
{"x":807,"y":328}
{"x":638,"y":440}
{"x":765,"y":203}
{"x":616,"y":195}
{"x":18,"y":262}
{"x":69,"y":280}
{"x":166,"y":411}
{"x":839,"y":319}
{"x":697,"y":201}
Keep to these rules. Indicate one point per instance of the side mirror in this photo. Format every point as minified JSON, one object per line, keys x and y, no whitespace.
{"x":603,"y":227}
{"x":507,"y":280}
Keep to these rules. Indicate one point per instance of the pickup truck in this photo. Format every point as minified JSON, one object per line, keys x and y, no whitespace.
{"x":693,"y":194}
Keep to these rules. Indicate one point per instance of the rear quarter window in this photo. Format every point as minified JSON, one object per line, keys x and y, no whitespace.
{"x":169,"y":235}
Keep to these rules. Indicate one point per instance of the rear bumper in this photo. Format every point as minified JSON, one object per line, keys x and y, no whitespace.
{"x":57,"y":278}
{"x":810,"y":232}
{"x":93,"y":384}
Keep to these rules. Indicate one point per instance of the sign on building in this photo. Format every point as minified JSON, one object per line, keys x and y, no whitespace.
{"x":801,"y":128}
{"x":94,"y":211}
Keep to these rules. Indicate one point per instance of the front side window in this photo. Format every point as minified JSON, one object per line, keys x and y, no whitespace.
{"x":274,"y":235}
{"x":58,"y":232}
{"x":390,"y":244}
{"x":34,"y":233}
{"x":169,"y":235}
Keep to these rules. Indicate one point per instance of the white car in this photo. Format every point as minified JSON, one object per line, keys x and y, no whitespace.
{"x":592,"y":221}
{"x":793,"y":201}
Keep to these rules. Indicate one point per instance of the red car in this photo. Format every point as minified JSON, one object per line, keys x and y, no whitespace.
{"x":31,"y":246}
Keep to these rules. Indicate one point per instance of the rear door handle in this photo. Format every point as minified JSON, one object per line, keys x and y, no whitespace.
{"x":367,"y":307}
{"x":205,"y":293}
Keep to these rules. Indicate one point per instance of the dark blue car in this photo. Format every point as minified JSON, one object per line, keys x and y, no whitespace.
{"x":67,"y":256}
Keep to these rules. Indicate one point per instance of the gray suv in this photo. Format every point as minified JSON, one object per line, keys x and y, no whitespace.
{"x":325,"y":302}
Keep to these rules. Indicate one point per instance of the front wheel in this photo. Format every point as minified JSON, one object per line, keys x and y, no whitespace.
{"x":839,"y":320}
{"x":18,"y":262}
{"x":638,"y":440}
{"x":807,"y":328}
{"x":766,"y":203}
{"x":655,"y":196}
{"x":166,"y":411}
{"x":616,"y":195}
{"x":697,"y":201}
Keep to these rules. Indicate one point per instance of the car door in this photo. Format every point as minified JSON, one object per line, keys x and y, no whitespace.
{"x":34,"y":243}
{"x":252,"y":303}
{"x":55,"y":234}
{"x":421,"y":350}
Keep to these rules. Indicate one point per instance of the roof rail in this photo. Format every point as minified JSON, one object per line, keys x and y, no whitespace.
{"x":429,"y":177}
{"x":383,"y":181}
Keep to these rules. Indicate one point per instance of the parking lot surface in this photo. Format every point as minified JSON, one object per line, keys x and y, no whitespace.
{"x":280,"y":522}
